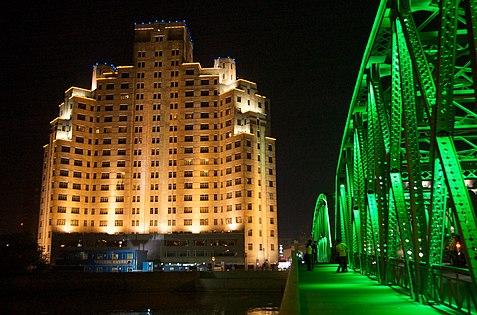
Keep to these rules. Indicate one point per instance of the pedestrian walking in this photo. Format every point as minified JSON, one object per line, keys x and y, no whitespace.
{"x":342,"y":256}
{"x":309,"y":256}
{"x":314,"y":247}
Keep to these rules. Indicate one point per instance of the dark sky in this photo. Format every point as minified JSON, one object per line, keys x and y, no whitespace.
{"x":304,"y":56}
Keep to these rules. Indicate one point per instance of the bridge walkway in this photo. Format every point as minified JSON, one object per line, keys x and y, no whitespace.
{"x":323,"y":291}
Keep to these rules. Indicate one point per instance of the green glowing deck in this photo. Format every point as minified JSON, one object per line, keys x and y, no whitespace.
{"x":323,"y":291}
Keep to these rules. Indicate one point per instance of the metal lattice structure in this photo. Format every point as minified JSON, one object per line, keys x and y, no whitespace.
{"x":407,"y":170}
{"x":321,"y":229}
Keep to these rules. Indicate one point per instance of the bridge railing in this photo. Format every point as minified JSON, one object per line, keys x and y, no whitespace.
{"x":397,"y":274}
{"x":451,"y":286}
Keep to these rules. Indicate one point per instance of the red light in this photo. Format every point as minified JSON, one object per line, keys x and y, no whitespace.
{"x":457,"y":245}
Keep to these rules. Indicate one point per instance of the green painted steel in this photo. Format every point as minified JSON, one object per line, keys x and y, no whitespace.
{"x":406,"y":179}
{"x":321,"y":230}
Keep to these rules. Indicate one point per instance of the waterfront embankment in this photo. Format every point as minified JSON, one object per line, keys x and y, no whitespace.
{"x":194,"y":281}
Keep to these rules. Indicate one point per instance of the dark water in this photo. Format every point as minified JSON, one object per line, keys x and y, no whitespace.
{"x":240,"y":303}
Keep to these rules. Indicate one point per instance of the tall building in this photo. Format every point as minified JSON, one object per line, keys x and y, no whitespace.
{"x":163,"y":147}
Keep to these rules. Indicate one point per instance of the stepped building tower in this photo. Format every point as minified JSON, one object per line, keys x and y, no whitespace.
{"x":162,"y":156}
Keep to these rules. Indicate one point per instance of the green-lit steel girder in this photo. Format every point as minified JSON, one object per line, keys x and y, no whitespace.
{"x":406,"y":178}
{"x":321,"y":230}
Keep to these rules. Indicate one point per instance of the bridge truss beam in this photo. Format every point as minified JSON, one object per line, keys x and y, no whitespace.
{"x":406,"y":178}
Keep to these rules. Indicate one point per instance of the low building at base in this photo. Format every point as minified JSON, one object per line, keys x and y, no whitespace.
{"x":96,"y":252}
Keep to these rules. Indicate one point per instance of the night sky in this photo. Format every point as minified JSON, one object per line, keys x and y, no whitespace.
{"x":304,"y":55}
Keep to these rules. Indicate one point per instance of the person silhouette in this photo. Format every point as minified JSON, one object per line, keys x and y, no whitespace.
{"x":342,"y":253}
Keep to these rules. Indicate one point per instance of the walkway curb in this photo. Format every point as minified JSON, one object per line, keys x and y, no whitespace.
{"x":290,"y":304}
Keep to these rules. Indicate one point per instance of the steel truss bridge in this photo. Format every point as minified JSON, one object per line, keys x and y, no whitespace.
{"x":406,"y":178}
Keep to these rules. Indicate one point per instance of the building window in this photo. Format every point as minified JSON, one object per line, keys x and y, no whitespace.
{"x":63,"y":185}
{"x":187,"y":221}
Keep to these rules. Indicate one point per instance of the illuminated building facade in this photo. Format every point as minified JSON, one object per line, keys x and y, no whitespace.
{"x":163,"y":147}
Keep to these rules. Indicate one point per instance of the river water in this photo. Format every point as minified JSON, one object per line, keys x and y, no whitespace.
{"x":203,"y":303}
